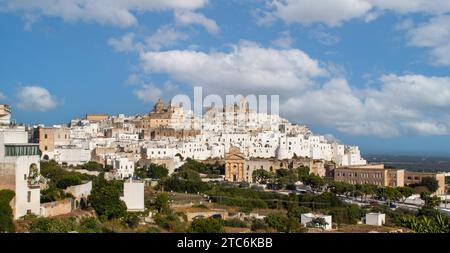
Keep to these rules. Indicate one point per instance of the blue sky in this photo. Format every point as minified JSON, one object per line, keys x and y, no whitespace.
{"x":371,"y":73}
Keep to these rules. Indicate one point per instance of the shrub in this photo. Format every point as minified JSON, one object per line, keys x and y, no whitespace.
{"x":6,"y":213}
{"x":209,"y":225}
{"x":235,"y":223}
{"x":49,"y":225}
{"x":258,"y":224}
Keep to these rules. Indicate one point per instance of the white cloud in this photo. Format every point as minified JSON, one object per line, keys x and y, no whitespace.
{"x":35,"y":98}
{"x":329,"y":12}
{"x":133,"y":79}
{"x":164,"y":37}
{"x":189,"y":18}
{"x":126,"y":43}
{"x":151,"y":93}
{"x":403,"y":104}
{"x":247,"y":67}
{"x":148,"y":93}
{"x":29,"y":20}
{"x":324,"y":37}
{"x":434,"y":35}
{"x":334,"y":13}
{"x":284,"y":41}
{"x":2,"y":96}
{"x":110,"y":12}
{"x":433,"y":7}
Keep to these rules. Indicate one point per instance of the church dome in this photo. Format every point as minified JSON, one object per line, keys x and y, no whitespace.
{"x":159,"y":106}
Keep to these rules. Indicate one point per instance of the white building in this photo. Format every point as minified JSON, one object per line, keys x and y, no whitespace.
{"x":375,"y":219}
{"x":72,"y":155}
{"x":133,"y":195}
{"x":19,"y":170}
{"x":308,"y":218}
{"x":123,"y":168}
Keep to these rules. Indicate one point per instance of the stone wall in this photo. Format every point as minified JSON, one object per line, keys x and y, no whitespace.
{"x":56,"y":208}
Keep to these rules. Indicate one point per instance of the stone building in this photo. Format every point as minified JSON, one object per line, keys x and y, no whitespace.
{"x":162,"y":116}
{"x":234,"y":165}
{"x":412,"y":177}
{"x":160,"y":133}
{"x":370,"y":174}
{"x":49,"y":137}
{"x":96,"y":117}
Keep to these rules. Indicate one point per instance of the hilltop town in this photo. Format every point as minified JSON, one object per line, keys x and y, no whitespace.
{"x":171,"y":170}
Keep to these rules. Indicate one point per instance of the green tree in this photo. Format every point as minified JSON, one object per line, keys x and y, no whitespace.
{"x":162,"y":203}
{"x":105,"y":199}
{"x":94,"y":166}
{"x":406,"y":192}
{"x":209,"y":225}
{"x":282,"y":223}
{"x":157,"y":171}
{"x":298,"y":211}
{"x":190,"y":175}
{"x":68,"y":180}
{"x":263,"y":176}
{"x":154,"y":171}
{"x":302,"y":171}
{"x":314,"y":181}
{"x":430,"y":201}
{"x":6,"y":213}
{"x":431,"y":183}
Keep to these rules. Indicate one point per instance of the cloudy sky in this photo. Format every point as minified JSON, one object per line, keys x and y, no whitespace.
{"x":375,"y":73}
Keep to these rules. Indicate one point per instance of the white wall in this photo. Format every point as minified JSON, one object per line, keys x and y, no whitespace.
{"x":133,"y":195}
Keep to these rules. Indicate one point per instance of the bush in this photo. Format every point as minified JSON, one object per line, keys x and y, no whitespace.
{"x":132,"y":220}
{"x":282,"y":223}
{"x":154,"y":171}
{"x":153,"y":230}
{"x":49,"y":225}
{"x":209,"y":225}
{"x":171,"y":222}
{"x":349,"y":214}
{"x":258,"y":224}
{"x":296,"y":212}
{"x":203,"y":168}
{"x":68,"y":180}
{"x":6,"y":213}
{"x":90,"y":225}
{"x":180,"y":185}
{"x":53,"y":194}
{"x":235,"y":223}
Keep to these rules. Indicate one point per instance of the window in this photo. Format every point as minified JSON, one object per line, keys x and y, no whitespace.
{"x":24,"y":176}
{"x":21,"y":150}
{"x":29,"y":197}
{"x":45,"y":136}
{"x":46,"y":148}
